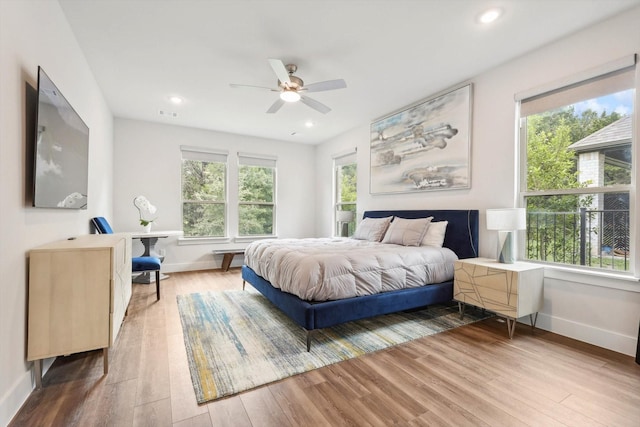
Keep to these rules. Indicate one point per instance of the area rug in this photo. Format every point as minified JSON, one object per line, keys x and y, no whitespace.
{"x":238,"y":340}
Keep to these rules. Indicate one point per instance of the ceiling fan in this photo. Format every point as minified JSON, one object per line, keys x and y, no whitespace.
{"x":292,"y":88}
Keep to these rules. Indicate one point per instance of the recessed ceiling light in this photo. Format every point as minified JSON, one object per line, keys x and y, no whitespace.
{"x":176,"y":100}
{"x":309,"y":124}
{"x":490,"y":15}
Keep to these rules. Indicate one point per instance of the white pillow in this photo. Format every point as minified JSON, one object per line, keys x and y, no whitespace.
{"x":407,"y":232}
{"x":372,"y":229}
{"x":435,"y":234}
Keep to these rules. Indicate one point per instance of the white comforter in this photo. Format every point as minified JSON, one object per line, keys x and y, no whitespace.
{"x":335,"y":268}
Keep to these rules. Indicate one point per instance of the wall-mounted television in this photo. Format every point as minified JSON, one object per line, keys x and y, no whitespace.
{"x":61,"y":167}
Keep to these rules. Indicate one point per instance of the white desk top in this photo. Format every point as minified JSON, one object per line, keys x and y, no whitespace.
{"x":158,"y":234}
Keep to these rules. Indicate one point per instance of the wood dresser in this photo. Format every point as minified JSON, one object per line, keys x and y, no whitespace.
{"x":79,"y":290}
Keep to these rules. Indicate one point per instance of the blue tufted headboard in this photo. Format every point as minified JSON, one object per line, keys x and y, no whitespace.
{"x":462,"y":230}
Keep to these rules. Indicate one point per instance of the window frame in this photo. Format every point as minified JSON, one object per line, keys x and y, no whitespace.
{"x":340,"y":160}
{"x":203,"y":154}
{"x":585,"y":78}
{"x":257,"y":160}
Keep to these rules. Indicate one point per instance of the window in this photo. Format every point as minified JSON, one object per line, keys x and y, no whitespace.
{"x":256,"y":195}
{"x":346,"y":179}
{"x":576,"y":169}
{"x":204,"y":192}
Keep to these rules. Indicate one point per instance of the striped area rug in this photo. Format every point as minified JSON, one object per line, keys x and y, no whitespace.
{"x":238,"y":340}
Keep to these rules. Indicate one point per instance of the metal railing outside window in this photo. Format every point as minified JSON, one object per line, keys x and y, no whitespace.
{"x":592,"y":238}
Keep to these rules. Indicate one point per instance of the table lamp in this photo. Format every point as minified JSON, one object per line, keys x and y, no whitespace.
{"x":344,"y":218}
{"x":506,"y":221}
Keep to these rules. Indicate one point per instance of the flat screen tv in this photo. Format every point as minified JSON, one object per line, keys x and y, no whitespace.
{"x":61,"y":151}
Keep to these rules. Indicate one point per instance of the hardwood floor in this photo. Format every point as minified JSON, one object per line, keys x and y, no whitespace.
{"x":470,"y":376}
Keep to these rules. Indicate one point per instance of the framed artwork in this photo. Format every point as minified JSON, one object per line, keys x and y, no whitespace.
{"x":424,"y":147}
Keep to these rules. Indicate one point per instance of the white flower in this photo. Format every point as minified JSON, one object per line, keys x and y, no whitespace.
{"x":144,"y":206}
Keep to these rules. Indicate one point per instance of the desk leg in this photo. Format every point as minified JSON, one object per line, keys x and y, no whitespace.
{"x":149,"y":244}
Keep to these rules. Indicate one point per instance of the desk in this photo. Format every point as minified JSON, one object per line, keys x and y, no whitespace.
{"x":149,"y":241}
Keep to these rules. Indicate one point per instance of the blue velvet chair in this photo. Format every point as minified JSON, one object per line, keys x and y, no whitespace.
{"x":139,"y":264}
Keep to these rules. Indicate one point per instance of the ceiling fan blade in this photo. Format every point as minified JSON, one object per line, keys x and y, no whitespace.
{"x":252,"y":87}
{"x":275,"y":106}
{"x":280,"y":70}
{"x":328,"y":85}
{"x":318,"y":106}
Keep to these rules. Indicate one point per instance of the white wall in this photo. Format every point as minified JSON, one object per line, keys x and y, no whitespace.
{"x":602,"y":311}
{"x":36,"y":33}
{"x":148,"y":162}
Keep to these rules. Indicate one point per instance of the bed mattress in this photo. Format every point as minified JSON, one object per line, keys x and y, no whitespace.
{"x":325,"y":269}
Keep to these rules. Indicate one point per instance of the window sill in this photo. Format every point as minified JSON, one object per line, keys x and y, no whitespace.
{"x":605,"y":279}
{"x":248,"y":239}
{"x":185,"y":241}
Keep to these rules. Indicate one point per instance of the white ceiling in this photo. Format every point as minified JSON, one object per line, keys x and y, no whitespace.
{"x":390,"y":52}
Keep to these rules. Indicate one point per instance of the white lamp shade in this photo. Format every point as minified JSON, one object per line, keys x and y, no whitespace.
{"x":344,"y":216}
{"x":507,"y":219}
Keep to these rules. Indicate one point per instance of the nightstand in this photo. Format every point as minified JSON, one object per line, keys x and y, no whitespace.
{"x":508,"y":290}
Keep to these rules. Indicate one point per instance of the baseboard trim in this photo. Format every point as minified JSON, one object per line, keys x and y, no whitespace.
{"x":189,"y":266}
{"x":19,"y":392}
{"x":586,"y":333}
{"x":202,"y":265}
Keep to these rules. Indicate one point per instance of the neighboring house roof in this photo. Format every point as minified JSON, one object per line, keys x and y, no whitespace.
{"x":616,"y":133}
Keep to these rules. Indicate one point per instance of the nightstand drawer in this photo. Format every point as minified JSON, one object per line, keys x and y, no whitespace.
{"x":497,"y":301}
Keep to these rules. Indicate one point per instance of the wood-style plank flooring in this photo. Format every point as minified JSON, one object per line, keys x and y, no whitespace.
{"x":470,"y":376}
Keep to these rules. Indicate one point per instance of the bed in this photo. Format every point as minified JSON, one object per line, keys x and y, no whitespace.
{"x":461,"y":237}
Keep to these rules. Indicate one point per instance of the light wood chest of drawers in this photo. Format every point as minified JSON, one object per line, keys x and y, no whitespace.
{"x":79,"y":291}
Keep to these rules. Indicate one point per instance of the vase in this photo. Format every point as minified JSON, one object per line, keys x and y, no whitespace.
{"x":147,"y":228}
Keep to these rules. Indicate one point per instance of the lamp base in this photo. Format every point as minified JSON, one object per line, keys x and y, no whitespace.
{"x":506,"y":247}
{"x":345,"y":229}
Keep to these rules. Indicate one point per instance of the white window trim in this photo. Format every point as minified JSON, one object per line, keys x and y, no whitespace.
{"x":592,"y":73}
{"x":341,"y":159}
{"x":260,"y":160}
{"x":186,"y":241}
{"x":602,"y":278}
{"x":249,"y":239}
{"x":599,"y":278}
{"x":209,"y":155}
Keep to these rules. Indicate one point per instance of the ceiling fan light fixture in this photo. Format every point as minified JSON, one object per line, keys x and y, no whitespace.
{"x":289,"y":95}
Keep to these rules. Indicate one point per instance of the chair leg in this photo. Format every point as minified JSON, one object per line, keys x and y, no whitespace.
{"x":158,"y":285}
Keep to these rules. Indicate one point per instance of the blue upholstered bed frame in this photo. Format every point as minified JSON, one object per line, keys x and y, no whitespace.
{"x":461,"y":237}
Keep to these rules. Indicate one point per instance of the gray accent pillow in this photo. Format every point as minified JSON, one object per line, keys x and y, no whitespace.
{"x":372,"y":229}
{"x":407,"y":232}
{"x":435,"y":234}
